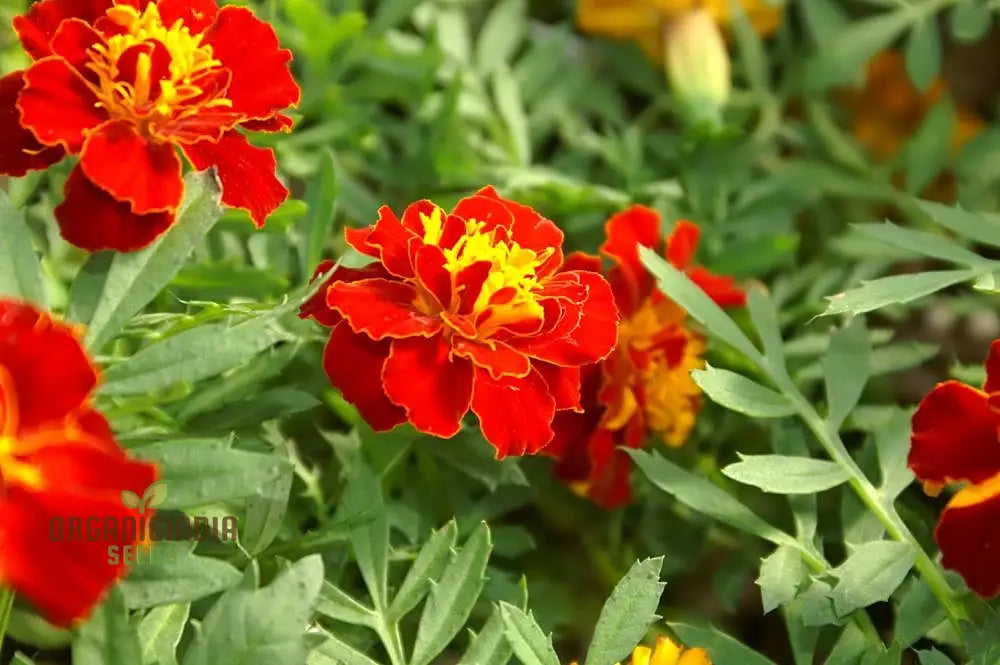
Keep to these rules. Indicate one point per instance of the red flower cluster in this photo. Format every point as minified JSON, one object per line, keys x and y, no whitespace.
{"x":467,"y":309}
{"x":644,"y":387}
{"x":58,"y":462}
{"x":120,"y":83}
{"x":955,"y":440}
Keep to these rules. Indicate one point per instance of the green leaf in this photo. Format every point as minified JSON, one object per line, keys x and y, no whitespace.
{"x":88,"y":286}
{"x":20,"y":659}
{"x":824,"y":19}
{"x":721,"y":648}
{"x":425,"y":571}
{"x":765,"y":319}
{"x":135,"y":278}
{"x":970,"y":20}
{"x":923,"y":52}
{"x":786,"y":475}
{"x":781,"y":574}
{"x":843,"y":56}
{"x":893,"y":442}
{"x":261,"y":626}
{"x":490,"y":645}
{"x":871,"y":574}
{"x":500,"y":36}
{"x":850,"y":647}
{"x":191,"y":356}
{"x":336,"y":652}
{"x":927,"y":152}
{"x":846,"y":370}
{"x":917,"y":613}
{"x":369,"y":537}
{"x":175,"y":575}
{"x":199,"y":472}
{"x":511,"y":108}
{"x":160,"y":632}
{"x":704,"y":497}
{"x":802,"y":639}
{"x":895,"y":289}
{"x":921,"y":242}
{"x":108,"y":638}
{"x":451,"y":600}
{"x":265,"y":514}
{"x":339,"y":605}
{"x":934,"y":657}
{"x":627,"y":614}
{"x":678,"y":287}
{"x":321,"y":195}
{"x":738,"y":393}
{"x":530,"y":644}
{"x":21,"y":275}
{"x":751,"y":48}
{"x":979,"y":227}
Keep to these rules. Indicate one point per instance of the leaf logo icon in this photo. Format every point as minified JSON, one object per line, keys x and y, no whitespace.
{"x":154,"y":495}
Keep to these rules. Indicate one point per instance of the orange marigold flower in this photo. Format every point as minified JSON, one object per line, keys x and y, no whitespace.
{"x":467,"y":309}
{"x":644,"y":387}
{"x":668,"y":652}
{"x":121,"y":83}
{"x":646,"y":21}
{"x":58,"y":463}
{"x":955,"y":440}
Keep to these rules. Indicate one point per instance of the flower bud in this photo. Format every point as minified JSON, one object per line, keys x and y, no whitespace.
{"x":698,"y":66}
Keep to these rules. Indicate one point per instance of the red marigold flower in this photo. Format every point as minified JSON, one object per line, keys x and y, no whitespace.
{"x":59,"y":466}
{"x":467,"y":309}
{"x":644,"y":386}
{"x":121,"y":83}
{"x":955,"y":440}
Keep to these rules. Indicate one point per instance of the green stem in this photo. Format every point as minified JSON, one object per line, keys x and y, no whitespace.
{"x":388,"y":632}
{"x":6,"y":606}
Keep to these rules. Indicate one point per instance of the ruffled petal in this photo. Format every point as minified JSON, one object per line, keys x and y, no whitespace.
{"x":955,"y":436}
{"x":72,"y":41}
{"x":20,"y":151}
{"x":279,"y":123}
{"x":57,"y":106}
{"x":609,"y":484}
{"x":354,"y":363}
{"x":582,"y":261}
{"x":358,"y":240}
{"x":381,"y":308}
{"x":43,"y":367}
{"x":429,"y":265}
{"x":682,"y":243}
{"x":436,"y":401}
{"x":530,"y":230}
{"x":262,"y":82}
{"x":393,"y":240}
{"x":246,"y":173}
{"x":992,"y":384}
{"x":515,"y":414}
{"x":563,"y":383}
{"x":130,"y":168}
{"x":90,"y":219}
{"x":624,"y":232}
{"x":498,"y":358}
{"x":197,"y":15}
{"x":720,"y":288}
{"x":38,"y":26}
{"x":969,"y":536}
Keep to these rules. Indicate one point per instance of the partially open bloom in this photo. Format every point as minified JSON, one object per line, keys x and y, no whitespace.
{"x":644,"y":387}
{"x":123,"y":84}
{"x":59,"y":466}
{"x":668,"y":652}
{"x":698,"y":64}
{"x":955,"y":440}
{"x":467,"y":309}
{"x":647,"y":21}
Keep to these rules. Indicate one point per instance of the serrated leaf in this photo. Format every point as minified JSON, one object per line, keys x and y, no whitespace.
{"x":979,"y":227}
{"x":738,"y":393}
{"x":261,"y":626}
{"x":894,"y":289}
{"x":849,"y":648}
{"x":134,"y":279}
{"x":21,"y":275}
{"x":490,"y":645}
{"x":704,"y":497}
{"x":107,"y":638}
{"x":721,"y":648}
{"x":786,"y":475}
{"x":160,"y":632}
{"x":917,"y":613}
{"x":266,"y":513}
{"x":529,"y":643}
{"x":334,"y":651}
{"x":451,"y":600}
{"x":370,"y":537}
{"x":923,"y":52}
{"x":781,"y":574}
{"x":174,"y":574}
{"x":627,"y":613}
{"x":921,"y":242}
{"x":426,"y":570}
{"x":846,"y":370}
{"x":871,"y":574}
{"x":338,"y":604}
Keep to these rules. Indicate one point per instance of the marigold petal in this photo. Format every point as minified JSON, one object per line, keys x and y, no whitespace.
{"x":37,"y":27}
{"x":992,"y":384}
{"x":682,"y":243}
{"x":246,"y":174}
{"x":130,"y":168}
{"x":57,"y":106}
{"x":955,"y":436}
{"x":696,"y":656}
{"x":722,"y":289}
{"x":531,"y":230}
{"x":358,"y":239}
{"x":278,"y":123}
{"x":354,"y":363}
{"x":499,"y":358}
{"x":91,"y":219}
{"x":316,"y":308}
{"x":262,"y":82}
{"x":624,"y":233}
{"x":20,"y":151}
{"x":49,"y":372}
{"x":72,"y":41}
{"x":381,"y":308}
{"x":563,"y":383}
{"x":436,"y":403}
{"x":610,"y":483}
{"x":969,"y":537}
{"x":582,"y":261}
{"x":393,"y":239}
{"x":197,"y":15}
{"x":515,"y":414}
{"x":429,"y":265}
{"x":469,"y":284}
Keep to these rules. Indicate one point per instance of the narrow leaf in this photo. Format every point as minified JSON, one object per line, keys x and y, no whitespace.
{"x":781,"y":574}
{"x":426,"y":570}
{"x":21,"y":275}
{"x":370,"y":537}
{"x":738,"y":393}
{"x":895,"y":289}
{"x":107,"y":638}
{"x":846,"y":370}
{"x":786,"y":475}
{"x":490,"y":645}
{"x":721,"y":648}
{"x":160,"y":632}
{"x":530,"y":644}
{"x":627,"y":614}
{"x":871,"y":574}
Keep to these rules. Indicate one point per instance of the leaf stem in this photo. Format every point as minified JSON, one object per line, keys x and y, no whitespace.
{"x":388,"y":632}
{"x":6,"y":607}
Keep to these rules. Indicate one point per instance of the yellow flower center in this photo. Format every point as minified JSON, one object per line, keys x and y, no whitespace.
{"x":656,"y":354}
{"x":126,"y":88}
{"x":509,"y":292}
{"x":13,"y":470}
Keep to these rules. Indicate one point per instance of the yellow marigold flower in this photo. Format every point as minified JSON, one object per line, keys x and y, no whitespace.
{"x":667,"y":652}
{"x":645,"y":20}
